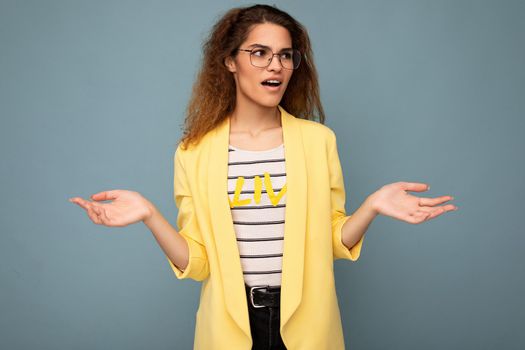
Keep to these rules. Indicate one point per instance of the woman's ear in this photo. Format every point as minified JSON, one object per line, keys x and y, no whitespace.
{"x":229,"y":62}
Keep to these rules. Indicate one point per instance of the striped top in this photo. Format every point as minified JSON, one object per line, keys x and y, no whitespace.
{"x":257,"y":195}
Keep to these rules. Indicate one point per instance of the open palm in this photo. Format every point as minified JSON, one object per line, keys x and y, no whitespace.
{"x":127,"y":207}
{"x":393,"y":200}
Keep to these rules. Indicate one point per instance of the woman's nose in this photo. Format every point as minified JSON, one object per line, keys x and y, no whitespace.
{"x":275,"y":64}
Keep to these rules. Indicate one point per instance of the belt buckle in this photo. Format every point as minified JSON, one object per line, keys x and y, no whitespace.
{"x":251,"y":294}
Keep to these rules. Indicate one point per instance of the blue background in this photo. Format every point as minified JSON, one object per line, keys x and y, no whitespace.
{"x":92,"y":98}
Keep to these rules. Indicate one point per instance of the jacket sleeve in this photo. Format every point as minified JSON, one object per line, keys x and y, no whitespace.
{"x":337,"y":198}
{"x":198,"y":266}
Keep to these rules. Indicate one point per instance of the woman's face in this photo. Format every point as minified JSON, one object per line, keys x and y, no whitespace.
{"x":249,"y":78}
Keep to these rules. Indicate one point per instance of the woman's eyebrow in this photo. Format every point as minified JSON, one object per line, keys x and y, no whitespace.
{"x":267,"y":47}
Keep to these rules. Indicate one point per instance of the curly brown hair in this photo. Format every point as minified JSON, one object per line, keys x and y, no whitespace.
{"x":213,"y":95}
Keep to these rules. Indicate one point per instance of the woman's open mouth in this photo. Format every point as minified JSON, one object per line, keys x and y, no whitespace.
{"x":272,"y":84}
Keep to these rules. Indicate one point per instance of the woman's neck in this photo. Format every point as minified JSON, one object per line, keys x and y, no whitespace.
{"x":253,"y":119}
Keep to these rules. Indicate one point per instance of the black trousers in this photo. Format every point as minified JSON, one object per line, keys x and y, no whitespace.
{"x":264,"y":324}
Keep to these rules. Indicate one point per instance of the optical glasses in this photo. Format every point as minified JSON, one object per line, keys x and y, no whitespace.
{"x":262,"y":57}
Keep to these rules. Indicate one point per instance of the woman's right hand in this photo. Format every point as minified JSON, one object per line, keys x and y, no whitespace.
{"x":127,"y":207}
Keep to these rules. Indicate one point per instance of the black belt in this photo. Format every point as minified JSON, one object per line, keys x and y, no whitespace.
{"x":263,"y":295}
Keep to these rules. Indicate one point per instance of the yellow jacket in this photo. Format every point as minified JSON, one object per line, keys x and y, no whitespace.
{"x":314,"y":216}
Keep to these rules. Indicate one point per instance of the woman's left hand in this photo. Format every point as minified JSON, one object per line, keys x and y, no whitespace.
{"x":393,"y":200}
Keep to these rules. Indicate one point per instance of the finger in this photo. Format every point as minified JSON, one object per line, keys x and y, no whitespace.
{"x":105,"y":195}
{"x":93,"y":215}
{"x":434,"y":201}
{"x":88,"y":205}
{"x":82,"y":202}
{"x":98,"y":206}
{"x":93,"y":209}
{"x":433,"y":212}
{"x":96,"y":209}
{"x":414,"y":186}
{"x":101,"y":212}
{"x":422,"y":216}
{"x":437,"y":211}
{"x":104,"y":216}
{"x":74,"y":200}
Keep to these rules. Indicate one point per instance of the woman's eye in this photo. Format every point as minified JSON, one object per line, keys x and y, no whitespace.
{"x":286,"y":55}
{"x":260,"y":52}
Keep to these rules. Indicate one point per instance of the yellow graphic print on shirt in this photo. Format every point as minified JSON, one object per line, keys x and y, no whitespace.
{"x":275,"y":199}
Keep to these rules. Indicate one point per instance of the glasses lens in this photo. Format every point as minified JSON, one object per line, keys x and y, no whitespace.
{"x":261,"y":57}
{"x":296,"y":58}
{"x":290,"y":59}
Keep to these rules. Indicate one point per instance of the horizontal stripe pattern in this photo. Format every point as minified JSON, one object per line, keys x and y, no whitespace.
{"x":259,"y":226}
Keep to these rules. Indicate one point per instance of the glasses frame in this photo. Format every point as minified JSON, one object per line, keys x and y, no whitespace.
{"x":271,"y":59}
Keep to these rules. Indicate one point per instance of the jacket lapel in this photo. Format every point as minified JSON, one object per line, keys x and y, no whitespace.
{"x":294,"y":228}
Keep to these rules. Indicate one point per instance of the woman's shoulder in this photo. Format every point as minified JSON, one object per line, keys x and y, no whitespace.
{"x":187,"y":151}
{"x":194,"y":146}
{"x":315,"y":129}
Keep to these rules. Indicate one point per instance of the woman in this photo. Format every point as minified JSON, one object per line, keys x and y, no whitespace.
{"x":260,"y":193}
